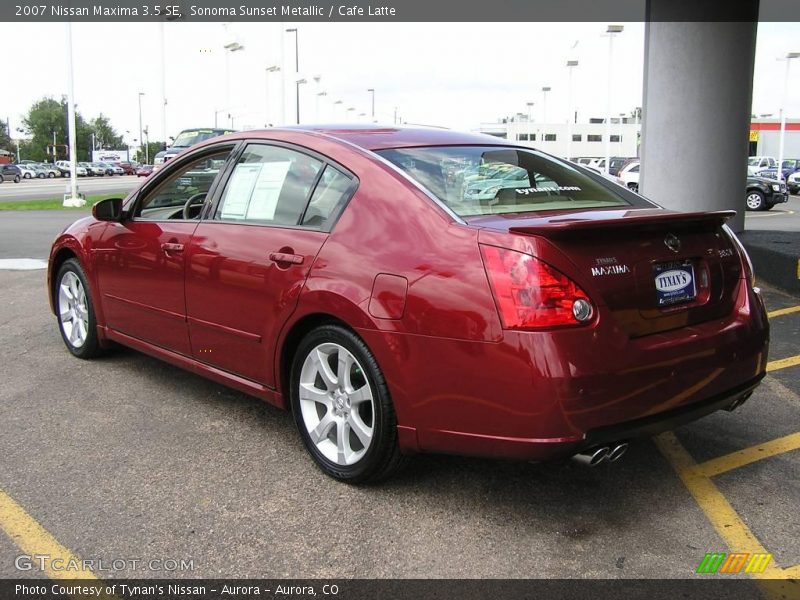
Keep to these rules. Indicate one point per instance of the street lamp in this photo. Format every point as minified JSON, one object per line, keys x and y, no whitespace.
{"x":296,"y":68}
{"x":571,"y":64}
{"x":789,"y":57}
{"x":372,"y":92}
{"x":335,"y":108}
{"x":267,"y":71}
{"x":350,"y":110}
{"x":621,"y":129}
{"x":545,"y":89}
{"x":140,"y":123}
{"x":298,"y":83}
{"x":530,"y":118}
{"x":229,"y":49}
{"x":611,"y":31}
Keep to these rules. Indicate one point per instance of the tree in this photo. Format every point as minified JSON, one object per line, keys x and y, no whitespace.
{"x":105,"y":136}
{"x":5,"y":136}
{"x":152,"y":148}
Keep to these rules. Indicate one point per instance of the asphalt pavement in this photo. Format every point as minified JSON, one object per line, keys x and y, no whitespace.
{"x":38,"y":189}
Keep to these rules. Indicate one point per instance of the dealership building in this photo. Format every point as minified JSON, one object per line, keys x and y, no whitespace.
{"x":588,"y":139}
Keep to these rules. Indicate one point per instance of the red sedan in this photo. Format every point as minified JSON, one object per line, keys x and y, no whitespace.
{"x":144,"y":171}
{"x":414,"y":290}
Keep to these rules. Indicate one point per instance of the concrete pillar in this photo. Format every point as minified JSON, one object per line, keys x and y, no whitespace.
{"x":698,"y":83}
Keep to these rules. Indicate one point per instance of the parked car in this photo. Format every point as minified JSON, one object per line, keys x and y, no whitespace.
{"x":788,"y":166}
{"x":756,"y":164}
{"x":547,"y":321}
{"x":93,"y":169}
{"x":793,"y":183}
{"x":112,"y":169}
{"x":128,"y":168}
{"x":186,"y":139}
{"x":615,"y":162}
{"x":763,"y":193}
{"x":629,"y":175}
{"x":50,"y":170}
{"x":10,"y":173}
{"x":144,"y":171}
{"x":41,"y":171}
{"x":26,"y":170}
{"x":64,"y":165}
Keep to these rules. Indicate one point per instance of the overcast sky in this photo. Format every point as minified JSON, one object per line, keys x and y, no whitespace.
{"x":453,"y":74}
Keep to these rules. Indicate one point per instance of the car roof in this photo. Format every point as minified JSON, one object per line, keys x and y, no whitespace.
{"x":380,"y":137}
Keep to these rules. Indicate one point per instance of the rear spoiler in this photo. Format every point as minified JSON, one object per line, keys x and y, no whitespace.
{"x":647,"y":220}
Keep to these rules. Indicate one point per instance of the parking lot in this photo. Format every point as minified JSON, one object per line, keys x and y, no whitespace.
{"x":127,"y":457}
{"x":36,"y":189}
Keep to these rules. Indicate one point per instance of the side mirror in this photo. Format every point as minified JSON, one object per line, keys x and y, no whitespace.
{"x":109,"y":209}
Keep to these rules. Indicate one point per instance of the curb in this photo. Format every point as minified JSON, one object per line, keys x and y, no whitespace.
{"x":776,"y":257}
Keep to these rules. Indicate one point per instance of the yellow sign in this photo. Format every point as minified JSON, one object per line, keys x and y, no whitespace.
{"x":754,"y":136}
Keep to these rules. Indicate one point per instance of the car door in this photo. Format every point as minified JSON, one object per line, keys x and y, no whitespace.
{"x":141,"y":261}
{"x":247,"y":264}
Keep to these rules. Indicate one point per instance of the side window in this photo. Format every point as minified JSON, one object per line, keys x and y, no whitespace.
{"x":269,"y":185}
{"x":182,"y":194}
{"x":329,"y":196}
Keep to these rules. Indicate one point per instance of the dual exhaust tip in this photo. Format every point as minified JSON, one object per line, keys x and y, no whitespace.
{"x":601,"y":454}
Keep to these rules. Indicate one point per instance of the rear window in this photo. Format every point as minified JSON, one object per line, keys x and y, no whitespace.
{"x":475,"y":180}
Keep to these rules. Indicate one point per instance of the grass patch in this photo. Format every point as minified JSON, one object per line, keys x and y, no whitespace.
{"x":51,"y":204}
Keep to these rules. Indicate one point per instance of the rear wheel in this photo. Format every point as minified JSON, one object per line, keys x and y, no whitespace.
{"x":76,"y":319}
{"x":755,"y":200}
{"x":342,"y":407}
{"x":16,"y":178}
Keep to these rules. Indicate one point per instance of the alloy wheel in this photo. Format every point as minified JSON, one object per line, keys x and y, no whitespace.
{"x":337,"y":404}
{"x":754,"y":201}
{"x":73,"y":311}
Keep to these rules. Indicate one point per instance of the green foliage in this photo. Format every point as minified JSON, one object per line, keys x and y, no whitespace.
{"x":49,"y":115}
{"x":5,"y":139}
{"x":152,"y":148}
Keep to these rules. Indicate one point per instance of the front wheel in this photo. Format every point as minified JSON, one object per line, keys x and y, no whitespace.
{"x":755,"y":200}
{"x":342,"y":407}
{"x":75,"y":312}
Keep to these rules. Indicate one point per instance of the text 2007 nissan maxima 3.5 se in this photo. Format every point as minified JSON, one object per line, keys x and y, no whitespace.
{"x":412,"y":290}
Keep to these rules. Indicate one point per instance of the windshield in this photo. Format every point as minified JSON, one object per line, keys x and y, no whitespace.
{"x":474,"y":180}
{"x":753,"y":161}
{"x":195,"y":136}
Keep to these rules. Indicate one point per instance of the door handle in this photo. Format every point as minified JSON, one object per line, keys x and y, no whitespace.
{"x":282,"y":257}
{"x":171,"y":247}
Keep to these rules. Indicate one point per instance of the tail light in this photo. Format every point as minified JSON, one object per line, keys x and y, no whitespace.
{"x":747,"y":264}
{"x":530,"y":294}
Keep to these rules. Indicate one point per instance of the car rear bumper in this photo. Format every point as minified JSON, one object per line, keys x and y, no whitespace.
{"x":542,"y":395}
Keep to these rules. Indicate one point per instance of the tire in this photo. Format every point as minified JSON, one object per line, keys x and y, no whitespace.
{"x":27,"y":175}
{"x":16,"y":178}
{"x":754,"y":200}
{"x":76,"y":320}
{"x":327,"y":407}
{"x":51,"y":175}
{"x":634,"y":187}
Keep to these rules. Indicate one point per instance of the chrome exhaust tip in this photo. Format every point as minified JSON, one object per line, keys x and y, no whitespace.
{"x":592,"y":457}
{"x":738,"y":402}
{"x":617,"y":452}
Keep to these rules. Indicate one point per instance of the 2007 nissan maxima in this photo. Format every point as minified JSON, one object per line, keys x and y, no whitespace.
{"x":413,"y":290}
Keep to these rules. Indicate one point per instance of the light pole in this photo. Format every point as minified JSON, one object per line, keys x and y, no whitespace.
{"x":163,"y":70}
{"x":141,"y":137}
{"x":229,"y":48}
{"x":298,"y":83}
{"x":350,"y":110}
{"x":336,"y":109}
{"x":74,"y":199}
{"x":571,"y":64}
{"x":530,"y":118}
{"x":612,"y":31}
{"x":296,"y":69}
{"x":545,"y":89}
{"x":789,"y":57}
{"x":372,"y":92}
{"x":268,"y":70}
{"x":146,"y":146}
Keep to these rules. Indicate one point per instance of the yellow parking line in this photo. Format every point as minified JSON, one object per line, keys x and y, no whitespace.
{"x":33,"y":539}
{"x":792,"y":361}
{"x":734,"y":460}
{"x":783,"y":311}
{"x":719,"y":512}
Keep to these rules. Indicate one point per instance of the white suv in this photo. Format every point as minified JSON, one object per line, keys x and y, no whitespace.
{"x":793,"y":183}
{"x":64,"y":164}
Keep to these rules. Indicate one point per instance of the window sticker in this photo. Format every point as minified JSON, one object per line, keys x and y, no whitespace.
{"x":239,"y":190}
{"x":268,"y":184}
